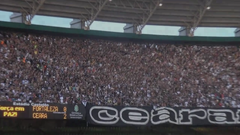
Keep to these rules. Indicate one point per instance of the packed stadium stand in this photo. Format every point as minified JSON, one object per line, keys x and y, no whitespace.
{"x":58,"y":69}
{"x":76,"y":81}
{"x":49,"y":67}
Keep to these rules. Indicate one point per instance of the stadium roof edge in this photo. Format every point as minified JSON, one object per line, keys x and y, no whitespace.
{"x":183,"y":13}
{"x":80,"y":32}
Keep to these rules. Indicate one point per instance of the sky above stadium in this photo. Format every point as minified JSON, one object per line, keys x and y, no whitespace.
{"x":118,"y":27}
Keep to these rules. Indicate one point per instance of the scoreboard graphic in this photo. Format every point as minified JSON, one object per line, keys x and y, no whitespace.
{"x":41,"y":111}
{"x":13,"y":111}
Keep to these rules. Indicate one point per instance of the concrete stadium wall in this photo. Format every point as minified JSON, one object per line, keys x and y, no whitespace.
{"x":90,"y":33}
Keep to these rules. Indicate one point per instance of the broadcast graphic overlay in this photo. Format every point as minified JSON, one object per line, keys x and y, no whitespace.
{"x":41,"y":111}
{"x":8,"y":110}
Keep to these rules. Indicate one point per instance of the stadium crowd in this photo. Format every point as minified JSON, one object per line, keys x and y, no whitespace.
{"x":52,"y":69}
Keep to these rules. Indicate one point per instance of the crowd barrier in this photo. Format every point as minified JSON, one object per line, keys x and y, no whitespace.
{"x":121,"y":115}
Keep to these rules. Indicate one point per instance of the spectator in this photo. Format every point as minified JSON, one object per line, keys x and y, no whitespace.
{"x":40,"y":68}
